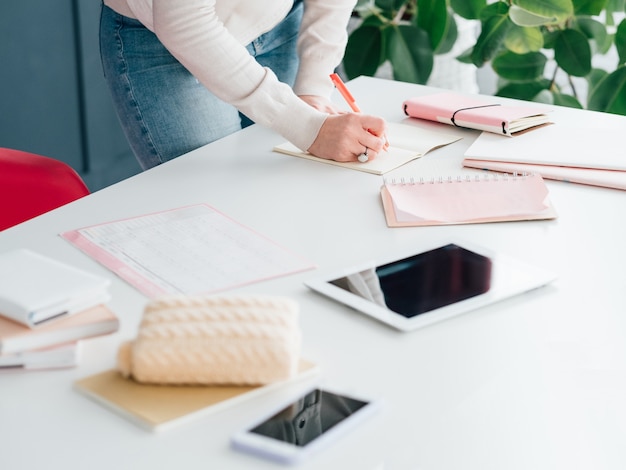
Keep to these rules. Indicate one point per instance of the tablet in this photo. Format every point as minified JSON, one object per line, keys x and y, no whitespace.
{"x":431,"y":284}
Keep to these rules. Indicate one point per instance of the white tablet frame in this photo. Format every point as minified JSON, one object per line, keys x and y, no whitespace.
{"x":510,"y":277}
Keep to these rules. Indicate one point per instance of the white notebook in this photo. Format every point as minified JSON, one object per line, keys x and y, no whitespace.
{"x":35,"y":289}
{"x":407,"y":142}
{"x":55,"y":357}
{"x":558,"y":145}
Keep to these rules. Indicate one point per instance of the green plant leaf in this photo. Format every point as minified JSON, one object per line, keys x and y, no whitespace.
{"x":468,"y":9}
{"x":448,"y":41}
{"x":595,"y":31}
{"x":524,"y":91}
{"x":465,"y":57}
{"x":491,"y":37}
{"x":549,"y":38}
{"x":552,"y":11}
{"x":433,"y":18}
{"x":616,"y":6}
{"x":620,"y":41}
{"x":610,"y":94}
{"x":595,"y":77}
{"x":389,"y":5}
{"x":494,"y":9}
{"x":409,"y":52}
{"x":566,"y":100}
{"x":589,"y":7}
{"x":521,"y":40}
{"x":522,"y":17}
{"x":364,"y":52}
{"x":372,"y":20}
{"x":572,"y":52}
{"x":520,"y":67}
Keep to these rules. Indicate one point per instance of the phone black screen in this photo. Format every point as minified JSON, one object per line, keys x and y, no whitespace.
{"x":309,"y":417}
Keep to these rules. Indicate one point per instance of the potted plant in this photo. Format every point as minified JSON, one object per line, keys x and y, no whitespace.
{"x":537,"y":48}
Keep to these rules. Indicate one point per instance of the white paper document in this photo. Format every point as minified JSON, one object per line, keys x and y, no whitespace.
{"x":189,"y":250}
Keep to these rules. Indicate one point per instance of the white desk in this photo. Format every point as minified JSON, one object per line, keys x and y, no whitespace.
{"x":535,"y":382}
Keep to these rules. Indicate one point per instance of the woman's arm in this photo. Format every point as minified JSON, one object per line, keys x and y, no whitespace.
{"x":321,"y":44}
{"x":193,"y":33}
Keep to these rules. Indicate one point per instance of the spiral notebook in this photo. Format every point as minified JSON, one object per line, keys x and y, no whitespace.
{"x":469,"y":199}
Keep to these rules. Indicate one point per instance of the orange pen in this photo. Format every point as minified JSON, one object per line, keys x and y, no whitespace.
{"x":341,"y":87}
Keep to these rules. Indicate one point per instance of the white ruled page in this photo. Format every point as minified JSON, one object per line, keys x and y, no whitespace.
{"x":189,"y":250}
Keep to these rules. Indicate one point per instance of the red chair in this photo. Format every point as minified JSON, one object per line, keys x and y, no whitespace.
{"x":31,"y":185}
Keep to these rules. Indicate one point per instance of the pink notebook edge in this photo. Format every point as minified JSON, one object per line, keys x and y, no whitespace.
{"x":554,"y":172}
{"x":389,"y":212}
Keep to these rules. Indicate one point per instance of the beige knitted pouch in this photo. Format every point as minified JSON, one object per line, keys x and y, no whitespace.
{"x":216,"y":339}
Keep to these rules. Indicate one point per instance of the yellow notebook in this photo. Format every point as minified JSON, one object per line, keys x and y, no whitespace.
{"x":406,"y":143}
{"x":160,"y":407}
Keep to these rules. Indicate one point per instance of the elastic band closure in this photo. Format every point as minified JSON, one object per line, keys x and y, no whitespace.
{"x":472,"y":107}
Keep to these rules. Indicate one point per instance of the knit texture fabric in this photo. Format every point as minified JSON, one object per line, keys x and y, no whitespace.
{"x":242,"y":340}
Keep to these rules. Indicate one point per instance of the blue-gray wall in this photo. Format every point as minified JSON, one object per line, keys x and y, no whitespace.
{"x":53,"y":100}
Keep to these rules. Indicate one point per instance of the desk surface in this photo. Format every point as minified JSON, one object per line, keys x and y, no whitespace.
{"x":537,"y":381}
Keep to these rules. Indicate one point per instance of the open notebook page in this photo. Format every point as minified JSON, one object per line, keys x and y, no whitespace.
{"x":406,"y":143}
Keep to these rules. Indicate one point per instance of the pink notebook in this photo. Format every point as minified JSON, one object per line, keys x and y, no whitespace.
{"x":475,"y":113}
{"x":466,"y":200}
{"x":614,"y":179}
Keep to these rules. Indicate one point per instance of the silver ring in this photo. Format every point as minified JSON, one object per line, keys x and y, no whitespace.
{"x":363,"y":157}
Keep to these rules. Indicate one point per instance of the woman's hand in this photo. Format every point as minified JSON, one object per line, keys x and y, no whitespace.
{"x":344,"y":137}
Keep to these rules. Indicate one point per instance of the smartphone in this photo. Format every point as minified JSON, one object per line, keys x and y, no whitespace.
{"x":304,"y":425}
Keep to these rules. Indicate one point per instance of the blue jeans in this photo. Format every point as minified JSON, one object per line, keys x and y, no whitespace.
{"x":164,"y":111}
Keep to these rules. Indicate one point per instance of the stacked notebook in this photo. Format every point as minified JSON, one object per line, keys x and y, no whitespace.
{"x":46,"y":307}
{"x":558,"y":152}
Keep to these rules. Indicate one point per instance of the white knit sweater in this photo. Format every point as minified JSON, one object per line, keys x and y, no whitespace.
{"x":209,"y":37}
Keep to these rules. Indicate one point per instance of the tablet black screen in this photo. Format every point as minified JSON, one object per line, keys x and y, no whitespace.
{"x":423,"y":282}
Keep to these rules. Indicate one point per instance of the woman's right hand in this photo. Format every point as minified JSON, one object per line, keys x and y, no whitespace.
{"x":343,"y":137}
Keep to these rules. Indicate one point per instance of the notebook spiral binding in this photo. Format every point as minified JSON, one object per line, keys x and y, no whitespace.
{"x":496,"y":177}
